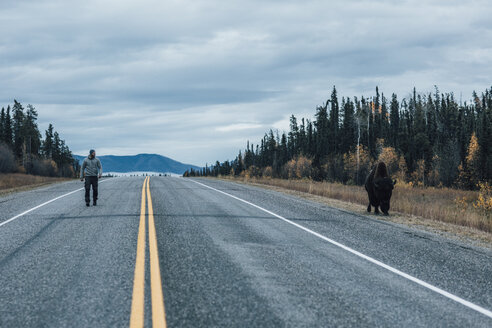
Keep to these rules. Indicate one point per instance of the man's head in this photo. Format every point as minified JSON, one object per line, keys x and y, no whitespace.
{"x":92,"y":153}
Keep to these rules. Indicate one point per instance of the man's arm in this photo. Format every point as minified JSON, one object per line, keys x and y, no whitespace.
{"x":82,"y":168}
{"x":99,"y":167}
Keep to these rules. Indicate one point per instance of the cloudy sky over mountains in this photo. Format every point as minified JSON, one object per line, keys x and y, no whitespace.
{"x":193,"y":80}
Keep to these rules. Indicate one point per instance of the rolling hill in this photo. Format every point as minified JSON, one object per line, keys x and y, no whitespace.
{"x":141,"y":163}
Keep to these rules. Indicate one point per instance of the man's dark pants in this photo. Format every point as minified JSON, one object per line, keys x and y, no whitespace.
{"x":90,"y":181}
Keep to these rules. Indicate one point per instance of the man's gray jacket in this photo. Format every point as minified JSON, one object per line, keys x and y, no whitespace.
{"x":91,"y":166}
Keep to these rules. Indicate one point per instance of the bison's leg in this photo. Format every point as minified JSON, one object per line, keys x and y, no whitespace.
{"x":376,"y":209}
{"x":369,"y":208}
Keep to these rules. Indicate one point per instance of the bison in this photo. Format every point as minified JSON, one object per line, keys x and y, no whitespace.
{"x":379,"y":187}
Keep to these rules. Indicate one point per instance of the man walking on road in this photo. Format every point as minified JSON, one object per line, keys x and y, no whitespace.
{"x":92,"y":170}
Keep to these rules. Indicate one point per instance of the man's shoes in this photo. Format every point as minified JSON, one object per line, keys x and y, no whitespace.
{"x":87,"y":204}
{"x":94,"y":203}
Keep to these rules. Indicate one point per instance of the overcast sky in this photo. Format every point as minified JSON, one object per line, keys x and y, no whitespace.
{"x":193,"y":80}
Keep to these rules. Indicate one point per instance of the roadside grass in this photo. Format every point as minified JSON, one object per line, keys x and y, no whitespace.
{"x":12,"y":182}
{"x":439,"y":204}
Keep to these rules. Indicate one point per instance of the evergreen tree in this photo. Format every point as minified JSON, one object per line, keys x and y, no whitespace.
{"x":32,"y":135}
{"x":431,"y":120}
{"x":248,"y":157}
{"x":334,"y":121}
{"x":407,"y":136}
{"x":302,"y":138}
{"x":465,"y":128}
{"x":293,"y":139}
{"x":371,"y":130}
{"x":8,"y":128}
{"x":384,"y":119}
{"x":283,"y":149}
{"x":348,"y":127}
{"x":272,"y":150}
{"x":48,"y":144}
{"x":394,"y":122}
{"x":239,"y":164}
{"x":311,"y":143}
{"x":2,"y":125}
{"x":56,"y":151}
{"x":419,"y":118}
{"x":322,"y":134}
{"x":283,"y":152}
{"x":378,"y":120}
{"x":424,"y":147}
{"x":18,"y":120}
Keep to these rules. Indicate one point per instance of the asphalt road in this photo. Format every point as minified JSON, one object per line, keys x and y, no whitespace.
{"x":227,"y":262}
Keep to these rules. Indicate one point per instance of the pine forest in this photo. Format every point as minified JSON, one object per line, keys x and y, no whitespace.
{"x":426,"y":140}
{"x":23,"y":150}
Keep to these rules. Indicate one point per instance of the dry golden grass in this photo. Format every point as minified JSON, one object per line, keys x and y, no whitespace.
{"x":18,"y":181}
{"x":439,"y":204}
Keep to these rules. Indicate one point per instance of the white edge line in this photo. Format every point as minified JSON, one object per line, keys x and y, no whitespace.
{"x":41,"y":205}
{"x":370,"y":259}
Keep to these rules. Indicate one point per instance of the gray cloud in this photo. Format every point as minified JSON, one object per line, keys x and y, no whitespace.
{"x":194,"y":80}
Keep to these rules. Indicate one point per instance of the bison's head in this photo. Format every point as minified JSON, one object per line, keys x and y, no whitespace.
{"x":383,"y":188}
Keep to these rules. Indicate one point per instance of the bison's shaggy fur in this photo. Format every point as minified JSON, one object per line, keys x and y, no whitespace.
{"x":381,"y":171}
{"x":379,"y":187}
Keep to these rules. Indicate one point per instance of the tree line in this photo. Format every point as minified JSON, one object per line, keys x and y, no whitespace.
{"x":425,"y":139}
{"x":22,"y":148}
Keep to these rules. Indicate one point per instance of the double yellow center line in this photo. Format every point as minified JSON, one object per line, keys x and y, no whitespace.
{"x":138,"y":300}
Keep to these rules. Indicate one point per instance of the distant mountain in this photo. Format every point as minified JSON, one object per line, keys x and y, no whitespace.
{"x":141,"y":163}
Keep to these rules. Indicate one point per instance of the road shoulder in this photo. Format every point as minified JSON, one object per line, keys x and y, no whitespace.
{"x":30,"y":183}
{"x":462,"y":234}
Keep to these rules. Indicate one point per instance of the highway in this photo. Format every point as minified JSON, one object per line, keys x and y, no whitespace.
{"x":179,"y":252}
